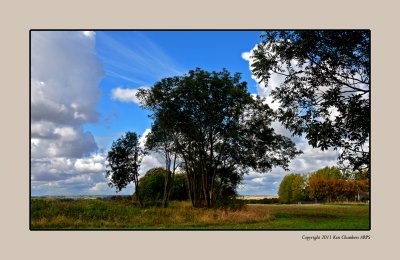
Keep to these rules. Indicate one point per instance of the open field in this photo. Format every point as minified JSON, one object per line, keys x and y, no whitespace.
{"x":121,"y":214}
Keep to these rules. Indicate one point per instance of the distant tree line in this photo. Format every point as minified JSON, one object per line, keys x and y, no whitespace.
{"x":326,"y":184}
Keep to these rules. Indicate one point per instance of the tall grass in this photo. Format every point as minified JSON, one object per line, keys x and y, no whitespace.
{"x":123,"y":214}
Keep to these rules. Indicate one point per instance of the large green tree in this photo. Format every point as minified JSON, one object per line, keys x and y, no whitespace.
{"x":124,"y":160}
{"x":216,"y":128}
{"x":325,"y":93}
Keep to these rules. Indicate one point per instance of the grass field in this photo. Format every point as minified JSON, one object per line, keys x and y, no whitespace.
{"x":121,"y":214}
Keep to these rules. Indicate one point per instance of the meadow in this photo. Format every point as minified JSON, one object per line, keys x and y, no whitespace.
{"x":122,"y":214}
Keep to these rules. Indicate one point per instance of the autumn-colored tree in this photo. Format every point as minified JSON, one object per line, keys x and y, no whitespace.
{"x":330,"y":184}
{"x":317,"y":188}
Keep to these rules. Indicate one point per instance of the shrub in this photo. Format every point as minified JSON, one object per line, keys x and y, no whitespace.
{"x":151,"y":187}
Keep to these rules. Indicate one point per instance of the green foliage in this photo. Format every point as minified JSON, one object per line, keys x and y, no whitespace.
{"x":323,"y":71}
{"x":123,"y":161}
{"x":298,"y":189}
{"x":292,"y":188}
{"x":179,"y":190}
{"x":329,"y":173}
{"x":152,"y":187}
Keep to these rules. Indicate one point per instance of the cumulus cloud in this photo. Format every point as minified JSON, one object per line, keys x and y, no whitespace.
{"x":246,"y":55}
{"x":65,"y":76}
{"x":126,"y":95}
{"x":65,"y":73}
{"x":143,"y":137}
{"x":99,"y":187}
{"x":64,"y":176}
{"x":95,"y":164}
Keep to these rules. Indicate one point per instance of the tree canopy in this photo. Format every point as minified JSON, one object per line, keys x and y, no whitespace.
{"x":325,"y":93}
{"x":216,"y":128}
{"x":292,"y":188}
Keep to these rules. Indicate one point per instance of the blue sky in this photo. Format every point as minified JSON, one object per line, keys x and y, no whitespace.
{"x":82,"y":98}
{"x":140,"y":58}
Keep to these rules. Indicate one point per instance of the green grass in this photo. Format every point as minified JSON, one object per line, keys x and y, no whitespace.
{"x":121,"y":214}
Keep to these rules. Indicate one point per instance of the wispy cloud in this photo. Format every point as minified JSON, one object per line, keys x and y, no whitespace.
{"x":136,"y":59}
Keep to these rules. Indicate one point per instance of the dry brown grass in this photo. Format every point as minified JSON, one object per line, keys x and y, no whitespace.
{"x":183,"y":214}
{"x":95,"y":214}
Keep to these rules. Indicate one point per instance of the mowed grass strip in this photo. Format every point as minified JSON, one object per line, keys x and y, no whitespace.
{"x":342,"y":216}
{"x":111,"y":214}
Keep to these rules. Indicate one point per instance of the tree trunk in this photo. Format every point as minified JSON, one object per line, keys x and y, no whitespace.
{"x":167,"y":188}
{"x":137,"y":194}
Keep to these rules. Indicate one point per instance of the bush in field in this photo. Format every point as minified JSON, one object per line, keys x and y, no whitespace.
{"x":152,"y":187}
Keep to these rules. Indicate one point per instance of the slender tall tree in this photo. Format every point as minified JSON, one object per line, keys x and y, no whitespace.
{"x":123,"y":165}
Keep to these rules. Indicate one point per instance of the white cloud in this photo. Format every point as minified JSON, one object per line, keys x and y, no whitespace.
{"x":258,"y":180}
{"x":151,"y":160}
{"x":127,"y":95}
{"x":64,"y":144}
{"x":93,"y":164}
{"x":143,"y":137}
{"x":89,"y":34}
{"x":246,"y":56}
{"x":65,"y":76}
{"x":99,"y":187}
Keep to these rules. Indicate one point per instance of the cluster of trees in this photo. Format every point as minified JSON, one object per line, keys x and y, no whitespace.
{"x":209,"y":125}
{"x":327,"y":184}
